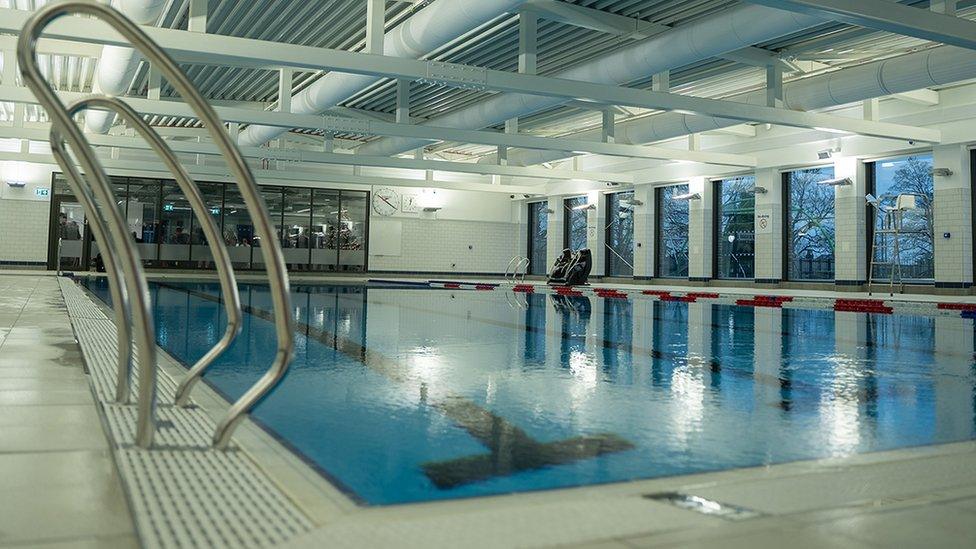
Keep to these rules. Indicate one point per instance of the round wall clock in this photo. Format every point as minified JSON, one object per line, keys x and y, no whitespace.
{"x":386,"y":201}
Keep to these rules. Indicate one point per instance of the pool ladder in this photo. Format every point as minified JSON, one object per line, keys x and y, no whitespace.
{"x":128,"y":286}
{"x":517,"y":268}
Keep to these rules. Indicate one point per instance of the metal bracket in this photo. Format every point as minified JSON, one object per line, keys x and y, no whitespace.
{"x":456,"y":75}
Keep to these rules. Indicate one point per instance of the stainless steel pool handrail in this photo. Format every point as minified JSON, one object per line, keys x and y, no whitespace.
{"x":523,"y":268}
{"x":131,"y":267}
{"x":225,"y":269}
{"x":271,"y":248}
{"x":113,"y":269}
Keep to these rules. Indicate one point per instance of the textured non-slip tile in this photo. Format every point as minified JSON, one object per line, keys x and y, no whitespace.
{"x":927,"y":526}
{"x":35,"y":397}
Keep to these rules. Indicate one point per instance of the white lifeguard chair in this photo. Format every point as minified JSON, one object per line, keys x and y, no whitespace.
{"x":889,"y":235}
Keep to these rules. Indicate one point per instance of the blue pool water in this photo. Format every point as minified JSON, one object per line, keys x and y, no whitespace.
{"x":405,"y":395}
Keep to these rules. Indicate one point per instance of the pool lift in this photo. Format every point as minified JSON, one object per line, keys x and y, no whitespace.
{"x":887,"y":238}
{"x":127,"y":281}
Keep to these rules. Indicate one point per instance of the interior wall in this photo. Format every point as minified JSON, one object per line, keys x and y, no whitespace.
{"x":24,"y":214}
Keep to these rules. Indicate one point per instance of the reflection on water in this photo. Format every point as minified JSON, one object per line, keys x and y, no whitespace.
{"x":410,"y":395}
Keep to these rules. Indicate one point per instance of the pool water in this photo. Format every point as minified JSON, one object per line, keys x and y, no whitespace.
{"x":406,"y":395}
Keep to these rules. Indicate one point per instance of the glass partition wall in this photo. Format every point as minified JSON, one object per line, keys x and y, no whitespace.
{"x":319,"y":229}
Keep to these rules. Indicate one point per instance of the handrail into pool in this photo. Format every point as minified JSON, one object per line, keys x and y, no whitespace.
{"x":270,"y":249}
{"x":514,"y":265}
{"x":225,"y":269}
{"x":116,"y":276}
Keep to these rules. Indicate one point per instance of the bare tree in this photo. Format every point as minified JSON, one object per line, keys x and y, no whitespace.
{"x":811,"y":226}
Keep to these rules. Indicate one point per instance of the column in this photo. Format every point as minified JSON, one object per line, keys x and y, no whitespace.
{"x":769,"y":226}
{"x":850,"y":210}
{"x":645,"y":227}
{"x":953,"y":212}
{"x":596,"y":234}
{"x":700,"y":219}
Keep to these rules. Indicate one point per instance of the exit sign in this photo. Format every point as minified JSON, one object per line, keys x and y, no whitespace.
{"x":42,"y":192}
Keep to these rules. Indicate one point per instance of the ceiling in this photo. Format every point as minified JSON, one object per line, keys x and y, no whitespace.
{"x":341,"y":24}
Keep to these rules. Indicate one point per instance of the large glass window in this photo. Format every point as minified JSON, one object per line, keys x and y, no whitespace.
{"x":296,"y":223}
{"x":735,"y":228}
{"x":672,"y":232}
{"x":175,"y":227}
{"x":325,"y":229}
{"x":142,"y":210}
{"x":620,"y":234}
{"x":538,"y":234}
{"x":318,"y":229}
{"x":916,"y":255}
{"x":574,"y":235}
{"x":352,"y":231}
{"x":213,"y":197}
{"x":238,"y":230}
{"x":810,"y":224}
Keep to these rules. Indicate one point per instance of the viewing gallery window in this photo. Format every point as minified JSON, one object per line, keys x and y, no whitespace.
{"x":574,"y":233}
{"x":318,"y":229}
{"x":735,"y":227}
{"x":672,"y":232}
{"x":538,"y":234}
{"x":620,"y":234}
{"x":809,"y":227}
{"x":907,"y":175}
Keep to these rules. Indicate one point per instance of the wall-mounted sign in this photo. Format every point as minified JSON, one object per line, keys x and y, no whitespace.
{"x":167,"y":207}
{"x":42,"y":192}
{"x":764,"y":222}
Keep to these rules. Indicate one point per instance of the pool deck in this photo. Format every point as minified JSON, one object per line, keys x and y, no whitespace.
{"x":61,"y":486}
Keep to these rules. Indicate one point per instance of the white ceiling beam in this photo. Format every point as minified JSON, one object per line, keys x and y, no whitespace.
{"x":888,"y":16}
{"x":925,"y":97}
{"x":299,"y":155}
{"x":216,"y":49}
{"x":337,"y":124}
{"x":276,"y":177}
{"x":593,"y":19}
{"x":52,"y":46}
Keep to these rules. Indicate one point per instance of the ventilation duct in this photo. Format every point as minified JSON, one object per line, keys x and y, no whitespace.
{"x":117,"y":66}
{"x":730,"y":30}
{"x":914,"y":71}
{"x":427,"y":30}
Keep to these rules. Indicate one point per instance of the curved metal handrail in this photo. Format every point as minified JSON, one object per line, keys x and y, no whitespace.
{"x":116,"y":277}
{"x":225,"y":269}
{"x":524,"y":268}
{"x":137,"y":289}
{"x":511,"y":263}
{"x":271,"y":248}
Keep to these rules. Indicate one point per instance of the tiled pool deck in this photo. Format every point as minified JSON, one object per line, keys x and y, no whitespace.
{"x":60,"y":486}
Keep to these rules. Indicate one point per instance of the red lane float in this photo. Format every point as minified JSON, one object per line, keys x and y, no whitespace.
{"x":958,"y":306}
{"x":524,"y":288}
{"x":658,"y":293}
{"x":703,"y":295}
{"x":484,"y":287}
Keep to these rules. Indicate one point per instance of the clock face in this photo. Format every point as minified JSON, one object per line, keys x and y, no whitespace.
{"x":386,"y":201}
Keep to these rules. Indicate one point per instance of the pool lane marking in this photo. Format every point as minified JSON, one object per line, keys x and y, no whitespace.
{"x":511,"y":449}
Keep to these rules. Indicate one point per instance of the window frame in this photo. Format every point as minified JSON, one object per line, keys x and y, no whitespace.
{"x":786,"y":204}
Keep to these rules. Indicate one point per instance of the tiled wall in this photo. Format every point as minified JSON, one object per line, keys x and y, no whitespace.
{"x":439,"y":245}
{"x":953,"y":215}
{"x":23,"y":231}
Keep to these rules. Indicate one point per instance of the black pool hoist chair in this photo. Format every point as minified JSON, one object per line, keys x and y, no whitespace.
{"x":576,"y":272}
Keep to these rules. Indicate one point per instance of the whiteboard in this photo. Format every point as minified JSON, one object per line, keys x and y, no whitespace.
{"x":385,"y":236}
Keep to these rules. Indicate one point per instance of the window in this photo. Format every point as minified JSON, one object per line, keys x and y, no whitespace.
{"x":538,"y":233}
{"x":620,"y":234}
{"x":318,"y":229}
{"x":809,"y":224}
{"x":574,"y":235}
{"x":890,"y":178}
{"x":672,"y":232}
{"x":735,"y":227}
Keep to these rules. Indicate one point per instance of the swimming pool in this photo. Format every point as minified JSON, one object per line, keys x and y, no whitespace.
{"x":404,"y":395}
